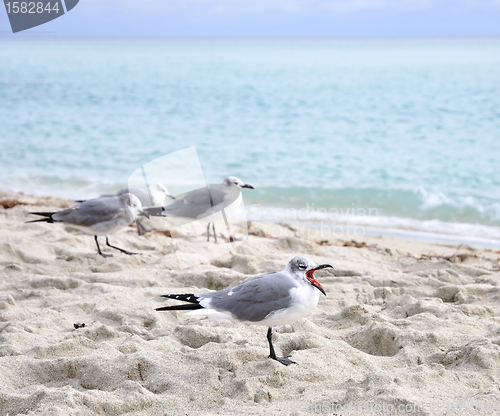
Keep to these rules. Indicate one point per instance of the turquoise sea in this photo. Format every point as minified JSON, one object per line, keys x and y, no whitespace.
{"x":396,"y":136}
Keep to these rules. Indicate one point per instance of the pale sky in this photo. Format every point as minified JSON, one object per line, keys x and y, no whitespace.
{"x":273,"y":18}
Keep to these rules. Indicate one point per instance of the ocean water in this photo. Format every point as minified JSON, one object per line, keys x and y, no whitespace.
{"x":393,"y":136}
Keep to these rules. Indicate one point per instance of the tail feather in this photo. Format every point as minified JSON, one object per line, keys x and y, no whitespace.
{"x":43,"y":214}
{"x":191,"y":305}
{"x":48,"y":216}
{"x":184,"y":307}
{"x":155,"y":211}
{"x":185,"y":298}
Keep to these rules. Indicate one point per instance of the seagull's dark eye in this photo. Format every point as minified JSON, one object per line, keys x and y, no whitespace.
{"x":236,"y":183}
{"x":302,"y":266}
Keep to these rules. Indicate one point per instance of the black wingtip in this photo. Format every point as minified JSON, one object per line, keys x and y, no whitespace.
{"x":155,"y":211}
{"x":188,"y":297}
{"x":43,"y":214}
{"x":192,"y":304}
{"x":185,"y":307}
{"x":47,"y":215}
{"x":48,"y":220}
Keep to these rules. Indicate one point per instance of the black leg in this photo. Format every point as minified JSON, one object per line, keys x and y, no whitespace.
{"x":99,"y":249}
{"x":215,"y":235}
{"x":208,"y":232}
{"x":272,"y":353}
{"x":118,"y":248}
{"x":141,"y":230}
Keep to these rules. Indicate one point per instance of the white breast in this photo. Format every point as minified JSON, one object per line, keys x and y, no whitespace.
{"x":304,"y":299}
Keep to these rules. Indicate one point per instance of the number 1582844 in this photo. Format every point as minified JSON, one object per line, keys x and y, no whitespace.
{"x":31,"y":7}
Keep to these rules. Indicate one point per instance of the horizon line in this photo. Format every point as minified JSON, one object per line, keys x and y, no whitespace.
{"x":50,"y":34}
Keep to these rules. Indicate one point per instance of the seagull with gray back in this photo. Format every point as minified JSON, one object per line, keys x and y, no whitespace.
{"x":99,"y":216}
{"x":154,"y":196}
{"x":203,"y":202}
{"x":278,"y":298}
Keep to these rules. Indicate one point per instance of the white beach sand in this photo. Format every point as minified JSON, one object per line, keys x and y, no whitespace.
{"x":403,"y":330}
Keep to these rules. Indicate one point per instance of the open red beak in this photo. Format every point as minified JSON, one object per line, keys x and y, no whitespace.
{"x":312,"y":279}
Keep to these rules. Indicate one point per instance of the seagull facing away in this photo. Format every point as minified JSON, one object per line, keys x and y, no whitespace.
{"x":203,"y":202}
{"x":155,"y":196}
{"x":99,"y":216}
{"x":271,"y":299}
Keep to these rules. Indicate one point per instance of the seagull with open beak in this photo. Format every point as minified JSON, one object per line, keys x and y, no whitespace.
{"x":277,"y":298}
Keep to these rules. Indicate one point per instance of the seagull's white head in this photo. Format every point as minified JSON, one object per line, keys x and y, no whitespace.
{"x":133,"y":203}
{"x":303,"y":269}
{"x":160,"y":192}
{"x":234,"y":181}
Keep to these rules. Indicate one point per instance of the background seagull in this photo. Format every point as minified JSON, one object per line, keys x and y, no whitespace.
{"x":203,"y":202}
{"x":99,"y":216}
{"x":277,"y":298}
{"x":155,"y":196}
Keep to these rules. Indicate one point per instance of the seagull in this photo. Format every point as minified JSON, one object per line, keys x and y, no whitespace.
{"x":155,"y":195}
{"x":99,"y":216}
{"x":278,"y":298}
{"x":203,"y":202}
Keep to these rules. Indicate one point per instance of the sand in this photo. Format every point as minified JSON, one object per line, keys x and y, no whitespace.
{"x":407,"y":327}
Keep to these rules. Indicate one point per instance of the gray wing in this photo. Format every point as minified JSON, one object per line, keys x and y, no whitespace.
{"x":191,"y":205}
{"x":255,"y":298}
{"x":223,"y":196}
{"x":92,"y":211}
{"x":218,"y":196}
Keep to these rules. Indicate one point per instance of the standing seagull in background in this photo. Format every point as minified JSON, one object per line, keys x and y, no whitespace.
{"x":156,"y":194}
{"x":99,"y":216}
{"x":203,"y":202}
{"x":278,"y":298}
